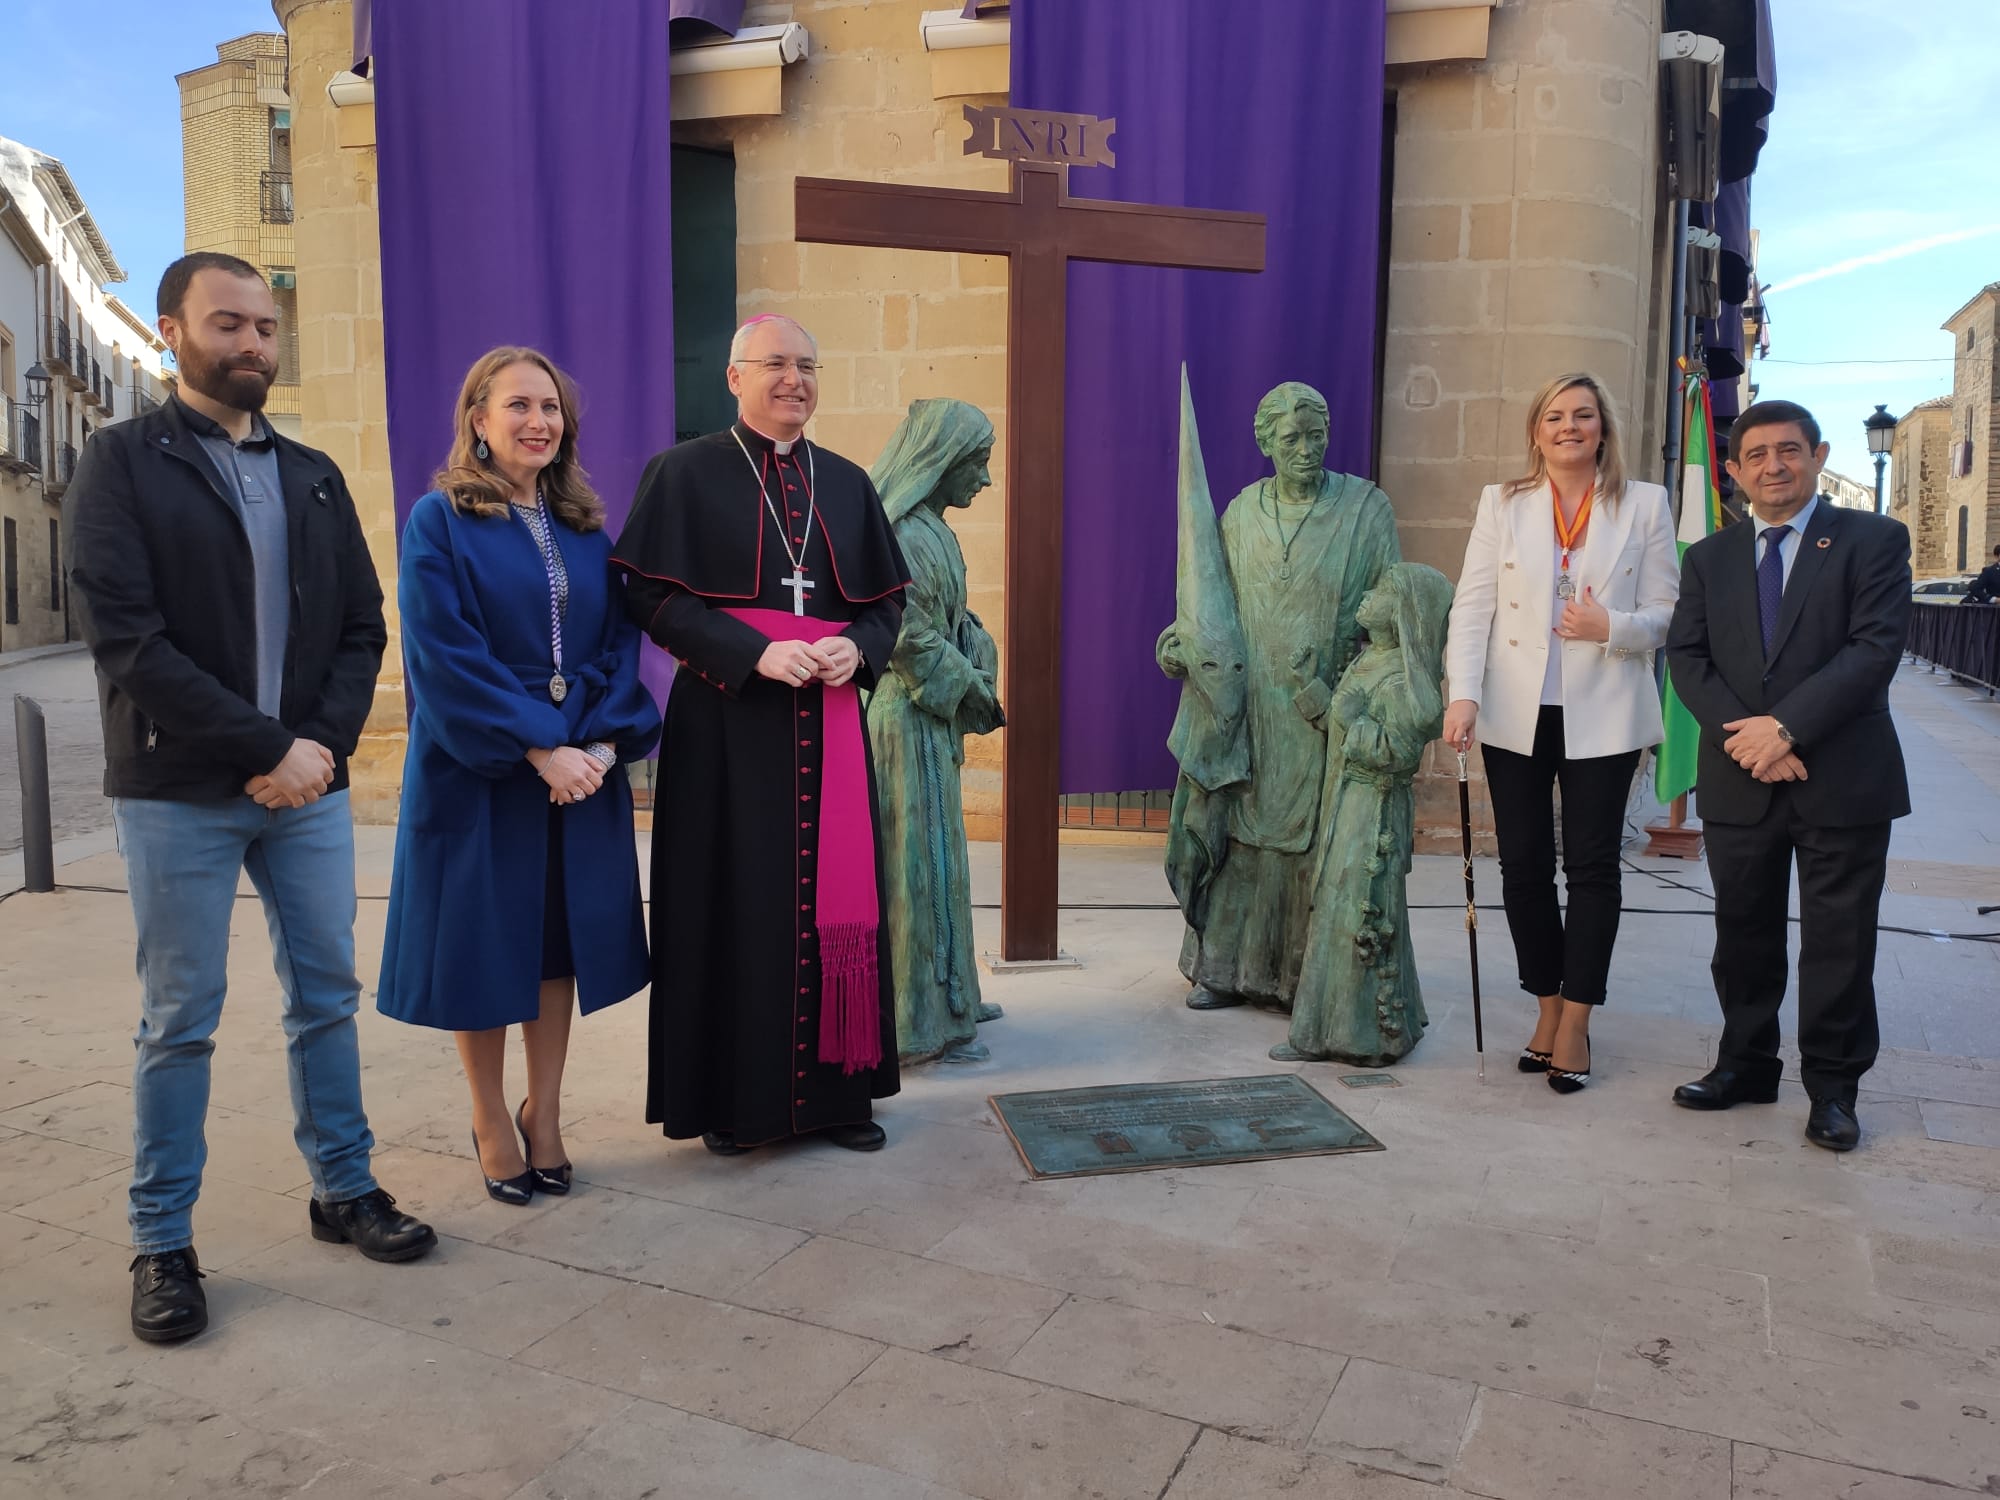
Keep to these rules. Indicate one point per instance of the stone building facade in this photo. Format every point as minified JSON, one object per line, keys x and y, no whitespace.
{"x":73,"y":358}
{"x":1527,"y":238}
{"x":236,"y":170}
{"x":1918,"y":461}
{"x":1972,"y":478}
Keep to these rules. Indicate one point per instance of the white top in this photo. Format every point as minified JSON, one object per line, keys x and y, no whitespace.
{"x":1788,"y":549}
{"x":1552,"y":676}
{"x":1503,"y":617}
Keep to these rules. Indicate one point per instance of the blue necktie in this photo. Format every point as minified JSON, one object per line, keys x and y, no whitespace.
{"x":1771,"y":582}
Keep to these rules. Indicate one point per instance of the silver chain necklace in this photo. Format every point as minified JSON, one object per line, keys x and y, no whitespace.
{"x":537,"y":522}
{"x":798,"y":583}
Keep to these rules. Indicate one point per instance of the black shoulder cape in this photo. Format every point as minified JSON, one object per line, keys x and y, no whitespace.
{"x":697,"y":520}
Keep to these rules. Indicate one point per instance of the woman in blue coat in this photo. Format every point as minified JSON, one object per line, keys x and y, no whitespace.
{"x":515,"y":898}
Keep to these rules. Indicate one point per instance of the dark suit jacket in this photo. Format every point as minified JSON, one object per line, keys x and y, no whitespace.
{"x":1840,"y":634}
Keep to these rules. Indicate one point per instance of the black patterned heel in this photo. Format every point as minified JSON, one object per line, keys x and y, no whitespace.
{"x":1531,"y":1061}
{"x":547,"y":1179}
{"x":517,"y":1192}
{"x":1563,"y":1081}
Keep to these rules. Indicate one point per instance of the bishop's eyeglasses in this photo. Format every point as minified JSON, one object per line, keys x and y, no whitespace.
{"x":776,"y":366}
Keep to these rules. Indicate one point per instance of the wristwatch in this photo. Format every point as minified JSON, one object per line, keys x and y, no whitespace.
{"x":1785,"y":734}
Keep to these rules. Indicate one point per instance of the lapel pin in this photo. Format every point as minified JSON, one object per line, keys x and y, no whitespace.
{"x":1825,"y":542}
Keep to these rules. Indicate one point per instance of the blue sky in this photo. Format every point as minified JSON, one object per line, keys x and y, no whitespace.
{"x":1884,"y":138}
{"x":100,"y":97}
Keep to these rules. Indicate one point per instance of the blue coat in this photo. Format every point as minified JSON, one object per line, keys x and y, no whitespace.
{"x":464,"y":942}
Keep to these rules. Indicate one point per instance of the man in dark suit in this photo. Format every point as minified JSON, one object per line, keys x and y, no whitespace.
{"x":1788,"y":631}
{"x":1986,"y":587}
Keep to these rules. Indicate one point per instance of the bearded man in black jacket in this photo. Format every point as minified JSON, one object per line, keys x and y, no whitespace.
{"x":220,"y":577}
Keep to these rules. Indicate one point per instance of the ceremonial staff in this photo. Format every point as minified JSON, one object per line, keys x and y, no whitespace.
{"x":1471,"y":910}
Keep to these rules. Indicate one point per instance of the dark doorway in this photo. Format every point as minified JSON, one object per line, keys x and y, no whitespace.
{"x":704,"y":216}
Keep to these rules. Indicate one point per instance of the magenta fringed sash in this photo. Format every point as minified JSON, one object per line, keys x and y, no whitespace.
{"x":850,"y":1024}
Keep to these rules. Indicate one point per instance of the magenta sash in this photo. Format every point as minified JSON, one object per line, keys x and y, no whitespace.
{"x":848,"y":913}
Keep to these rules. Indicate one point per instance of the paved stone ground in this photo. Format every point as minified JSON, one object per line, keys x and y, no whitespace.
{"x":65,"y":685}
{"x":1524,"y":1296}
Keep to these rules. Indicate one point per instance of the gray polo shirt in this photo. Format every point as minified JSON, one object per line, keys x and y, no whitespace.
{"x":249,"y":471}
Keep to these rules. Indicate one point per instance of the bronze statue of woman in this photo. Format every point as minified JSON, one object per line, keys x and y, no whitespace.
{"x":1358,"y":998}
{"x":940,"y":687}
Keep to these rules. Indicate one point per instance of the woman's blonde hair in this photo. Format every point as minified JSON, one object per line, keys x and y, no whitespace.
{"x":1610,"y":456}
{"x":476,"y":488}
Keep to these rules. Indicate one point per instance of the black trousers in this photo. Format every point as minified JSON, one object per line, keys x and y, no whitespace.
{"x":1573,"y":958}
{"x":1841,"y":873}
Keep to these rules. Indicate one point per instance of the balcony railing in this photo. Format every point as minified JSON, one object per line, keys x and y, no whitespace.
{"x":59,"y":346}
{"x":275,"y":191}
{"x":20,"y":436}
{"x":64,"y":471}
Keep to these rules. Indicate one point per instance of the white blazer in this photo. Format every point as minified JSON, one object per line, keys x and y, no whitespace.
{"x":1501,"y":618}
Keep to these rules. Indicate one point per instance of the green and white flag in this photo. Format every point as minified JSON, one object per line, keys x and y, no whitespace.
{"x":1701,"y":515}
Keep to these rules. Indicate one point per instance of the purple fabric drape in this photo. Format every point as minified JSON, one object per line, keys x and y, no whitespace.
{"x":1275,"y":109}
{"x":510,"y":216}
{"x":725,"y":16}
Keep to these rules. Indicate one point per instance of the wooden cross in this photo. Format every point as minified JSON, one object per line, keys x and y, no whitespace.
{"x":1040,"y":229}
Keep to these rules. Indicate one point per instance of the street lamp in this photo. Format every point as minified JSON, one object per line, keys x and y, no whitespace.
{"x":1881,"y":438}
{"x":38,"y":384}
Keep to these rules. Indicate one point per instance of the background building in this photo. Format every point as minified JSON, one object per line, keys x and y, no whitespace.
{"x":1850,"y":494}
{"x":1917,"y":468}
{"x":236,"y":165}
{"x":1972,"y":477}
{"x":72,"y":358}
{"x":1530,"y":231}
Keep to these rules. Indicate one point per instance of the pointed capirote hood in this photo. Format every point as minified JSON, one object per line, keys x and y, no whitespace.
{"x":1208,"y":738}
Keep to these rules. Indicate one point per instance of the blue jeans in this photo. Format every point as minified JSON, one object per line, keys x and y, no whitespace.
{"x":182,"y":860}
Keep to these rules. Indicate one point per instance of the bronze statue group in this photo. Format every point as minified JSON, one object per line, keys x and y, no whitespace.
{"x":810,"y":905}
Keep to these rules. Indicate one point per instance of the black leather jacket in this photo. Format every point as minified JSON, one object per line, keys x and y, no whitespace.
{"x":163,"y":588}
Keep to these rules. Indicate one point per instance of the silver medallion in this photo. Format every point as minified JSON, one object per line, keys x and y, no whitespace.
{"x":1284,"y":570}
{"x":1565,"y":587}
{"x":558,"y":689}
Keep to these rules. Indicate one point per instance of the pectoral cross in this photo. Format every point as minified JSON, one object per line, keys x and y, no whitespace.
{"x":800,"y":585}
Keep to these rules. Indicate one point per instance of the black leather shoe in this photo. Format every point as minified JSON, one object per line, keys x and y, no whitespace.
{"x":1531,"y":1061}
{"x":167,"y":1300}
{"x":371,"y":1225}
{"x":1834,"y":1125}
{"x":1719,"y":1088}
{"x":865,"y":1135}
{"x":722,"y":1143}
{"x":547,"y":1179}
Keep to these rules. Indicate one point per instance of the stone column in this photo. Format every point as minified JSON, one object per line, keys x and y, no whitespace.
{"x":344,"y":405}
{"x":1523,"y":244}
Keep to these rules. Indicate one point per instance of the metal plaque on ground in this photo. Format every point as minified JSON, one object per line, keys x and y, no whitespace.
{"x":1138,"y":1127}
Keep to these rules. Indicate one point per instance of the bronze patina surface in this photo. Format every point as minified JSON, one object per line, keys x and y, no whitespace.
{"x":1139,"y":1127}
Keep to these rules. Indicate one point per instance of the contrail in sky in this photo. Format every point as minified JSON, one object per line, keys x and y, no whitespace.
{"x":1894,"y":252}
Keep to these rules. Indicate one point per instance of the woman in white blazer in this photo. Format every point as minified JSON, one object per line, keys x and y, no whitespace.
{"x":1570,"y":579}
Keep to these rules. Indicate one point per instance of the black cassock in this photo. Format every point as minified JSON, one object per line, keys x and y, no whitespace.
{"x":736,"y":1001}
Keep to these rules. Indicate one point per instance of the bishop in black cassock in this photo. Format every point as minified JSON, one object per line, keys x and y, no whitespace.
{"x":766,"y":566}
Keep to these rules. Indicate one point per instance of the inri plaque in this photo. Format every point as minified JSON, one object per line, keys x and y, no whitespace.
{"x":1137,"y":1127}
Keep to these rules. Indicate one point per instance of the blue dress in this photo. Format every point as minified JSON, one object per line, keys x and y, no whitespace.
{"x":465,"y":940}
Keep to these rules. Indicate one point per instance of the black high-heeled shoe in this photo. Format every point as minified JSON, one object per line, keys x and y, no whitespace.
{"x":547,"y":1179}
{"x":1531,"y":1061}
{"x":518,"y":1192}
{"x":1565,"y":1082}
